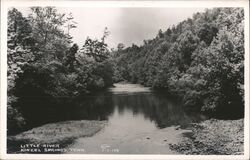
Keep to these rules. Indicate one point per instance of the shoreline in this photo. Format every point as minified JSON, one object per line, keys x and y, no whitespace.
{"x":53,"y":136}
{"x":210,"y":137}
{"x":213,"y":137}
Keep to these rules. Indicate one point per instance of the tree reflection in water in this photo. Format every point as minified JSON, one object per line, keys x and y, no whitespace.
{"x":158,"y":108}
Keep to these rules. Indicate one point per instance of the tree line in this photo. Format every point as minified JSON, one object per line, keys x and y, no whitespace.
{"x":200,"y":60}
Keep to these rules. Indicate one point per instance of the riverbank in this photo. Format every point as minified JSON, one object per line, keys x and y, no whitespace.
{"x":56,"y":135}
{"x":220,"y":137}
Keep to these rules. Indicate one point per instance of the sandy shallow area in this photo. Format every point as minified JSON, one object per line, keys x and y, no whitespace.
{"x":52,"y":136}
{"x":152,"y":142}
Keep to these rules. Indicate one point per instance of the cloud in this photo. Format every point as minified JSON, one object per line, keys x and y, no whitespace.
{"x":127,"y":25}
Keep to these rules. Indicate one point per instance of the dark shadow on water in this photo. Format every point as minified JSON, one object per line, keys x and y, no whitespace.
{"x":42,"y":110}
{"x":161,"y":109}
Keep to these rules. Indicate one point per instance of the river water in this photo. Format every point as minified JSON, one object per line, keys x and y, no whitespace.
{"x":139,"y":120}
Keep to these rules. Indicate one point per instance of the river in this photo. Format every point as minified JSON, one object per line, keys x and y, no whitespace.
{"x":139,"y":120}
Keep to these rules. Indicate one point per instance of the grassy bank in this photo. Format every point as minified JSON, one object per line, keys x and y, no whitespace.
{"x":222,"y":137}
{"x":60,"y":133}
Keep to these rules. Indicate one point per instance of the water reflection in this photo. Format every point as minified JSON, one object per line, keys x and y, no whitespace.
{"x":140,"y":102}
{"x":164,"y":112}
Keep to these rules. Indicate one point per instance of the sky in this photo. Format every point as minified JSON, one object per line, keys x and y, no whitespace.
{"x":126,"y":25}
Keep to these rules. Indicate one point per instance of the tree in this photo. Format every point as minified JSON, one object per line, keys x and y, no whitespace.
{"x":71,"y":57}
{"x":120,"y":46}
{"x":70,"y":23}
{"x":225,"y":70}
{"x":19,"y":53}
{"x":19,"y":44}
{"x":48,"y":30}
{"x":106,"y":33}
{"x":160,"y":34}
{"x":187,"y":43}
{"x":97,"y":49}
{"x":207,"y":32}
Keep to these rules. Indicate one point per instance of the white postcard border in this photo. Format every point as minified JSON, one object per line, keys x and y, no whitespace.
{"x":5,"y":4}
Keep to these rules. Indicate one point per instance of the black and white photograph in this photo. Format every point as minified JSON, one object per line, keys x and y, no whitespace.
{"x":129,"y":79}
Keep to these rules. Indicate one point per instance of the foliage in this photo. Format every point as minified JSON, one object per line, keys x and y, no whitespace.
{"x":97,"y":49}
{"x":43,"y":63}
{"x":201,"y":60}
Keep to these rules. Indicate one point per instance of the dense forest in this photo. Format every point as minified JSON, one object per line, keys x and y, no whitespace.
{"x":200,"y":60}
{"x":43,"y":62}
